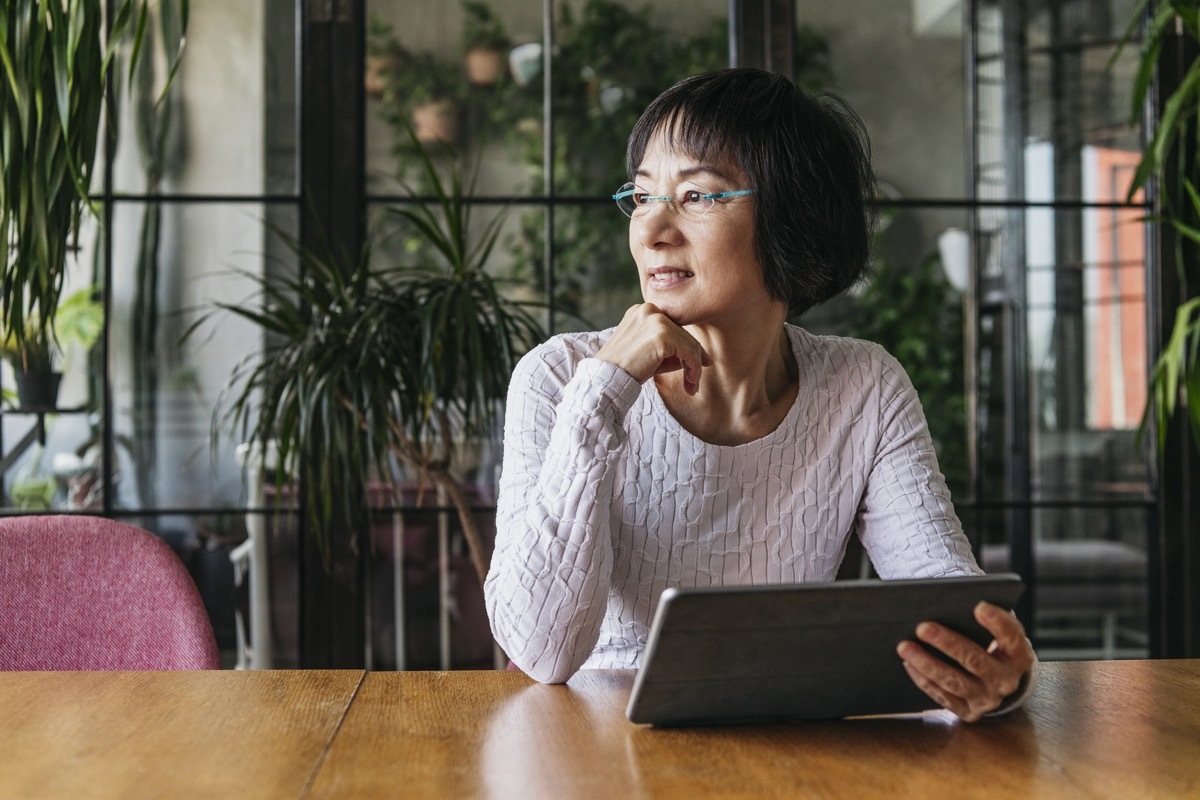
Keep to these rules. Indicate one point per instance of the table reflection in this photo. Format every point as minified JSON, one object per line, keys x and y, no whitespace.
{"x":547,"y":741}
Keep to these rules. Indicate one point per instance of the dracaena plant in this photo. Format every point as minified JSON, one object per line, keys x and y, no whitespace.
{"x":54,"y":66}
{"x":470,"y":335}
{"x":367,"y":364}
{"x":1171,"y":156}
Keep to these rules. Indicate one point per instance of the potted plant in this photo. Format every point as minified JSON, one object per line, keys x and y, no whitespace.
{"x":471,"y":336}
{"x":487,"y":43}
{"x":433,"y":97}
{"x":381,"y":57}
{"x":36,"y":357}
{"x":56,"y":66}
{"x":368,"y":364}
{"x":1175,"y":379}
{"x":418,"y":89}
{"x":30,"y":357}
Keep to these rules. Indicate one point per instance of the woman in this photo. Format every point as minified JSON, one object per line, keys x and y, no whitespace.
{"x":706,"y":441}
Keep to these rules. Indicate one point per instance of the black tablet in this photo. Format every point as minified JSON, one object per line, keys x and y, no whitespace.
{"x":798,"y":651}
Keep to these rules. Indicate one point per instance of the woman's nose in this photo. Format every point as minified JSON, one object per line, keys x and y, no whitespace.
{"x":657,"y":224}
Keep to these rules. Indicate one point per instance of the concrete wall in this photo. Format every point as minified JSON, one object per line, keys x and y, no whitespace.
{"x":910,"y":89}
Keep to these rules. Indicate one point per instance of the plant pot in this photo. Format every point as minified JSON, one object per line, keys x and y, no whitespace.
{"x":525,"y":62}
{"x":436,"y":121}
{"x":374,"y":74}
{"x":37,"y":391}
{"x":484,"y":66}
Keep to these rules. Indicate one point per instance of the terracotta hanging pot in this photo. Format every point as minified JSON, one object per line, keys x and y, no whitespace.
{"x":484,"y":66}
{"x":374,"y":74}
{"x":436,"y":121}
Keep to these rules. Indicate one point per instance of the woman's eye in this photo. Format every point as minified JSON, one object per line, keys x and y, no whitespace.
{"x":692,"y":196}
{"x":639,"y":198}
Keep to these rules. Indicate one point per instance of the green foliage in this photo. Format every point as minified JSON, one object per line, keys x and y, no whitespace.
{"x":364,"y":364}
{"x":1175,"y":379}
{"x":412,"y":78}
{"x":55,"y":67}
{"x":917,"y":316}
{"x":470,"y":333}
{"x":317,"y":389}
{"x":610,"y":62}
{"x":483,"y":29}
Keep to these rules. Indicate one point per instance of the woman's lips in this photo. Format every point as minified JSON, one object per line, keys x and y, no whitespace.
{"x":660,"y":277}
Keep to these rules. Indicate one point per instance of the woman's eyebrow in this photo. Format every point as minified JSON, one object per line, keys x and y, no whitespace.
{"x":692,"y":172}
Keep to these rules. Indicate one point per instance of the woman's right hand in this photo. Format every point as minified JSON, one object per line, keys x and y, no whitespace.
{"x":647,"y":343}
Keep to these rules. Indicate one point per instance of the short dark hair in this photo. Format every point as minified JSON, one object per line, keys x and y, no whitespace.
{"x":808,"y":159}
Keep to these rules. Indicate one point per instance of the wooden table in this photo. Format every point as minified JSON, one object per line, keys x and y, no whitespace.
{"x":1128,"y":729}
{"x":170,"y":735}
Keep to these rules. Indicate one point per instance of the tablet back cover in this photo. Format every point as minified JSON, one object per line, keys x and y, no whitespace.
{"x":811,"y":651}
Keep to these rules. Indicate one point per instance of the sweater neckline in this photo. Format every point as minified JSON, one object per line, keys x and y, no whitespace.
{"x":783,"y":430}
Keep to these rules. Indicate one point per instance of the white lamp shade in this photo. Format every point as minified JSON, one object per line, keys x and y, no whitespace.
{"x":954,"y":248}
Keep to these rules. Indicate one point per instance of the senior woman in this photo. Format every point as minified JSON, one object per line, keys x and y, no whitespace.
{"x":706,"y":441}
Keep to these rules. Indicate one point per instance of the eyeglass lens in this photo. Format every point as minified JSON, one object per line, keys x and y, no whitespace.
{"x":691,"y":200}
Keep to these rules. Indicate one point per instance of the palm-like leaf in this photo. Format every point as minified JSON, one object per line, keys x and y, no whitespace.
{"x":319,"y":390}
{"x":1176,"y":375}
{"x":55,"y":68}
{"x":363,"y":364}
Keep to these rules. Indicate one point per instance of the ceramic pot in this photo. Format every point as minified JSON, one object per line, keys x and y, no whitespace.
{"x":37,"y":391}
{"x":525,"y":62}
{"x":436,"y":121}
{"x":373,"y":75}
{"x":484,"y":66}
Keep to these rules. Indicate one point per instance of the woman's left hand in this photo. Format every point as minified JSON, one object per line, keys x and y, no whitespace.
{"x":983,"y":678}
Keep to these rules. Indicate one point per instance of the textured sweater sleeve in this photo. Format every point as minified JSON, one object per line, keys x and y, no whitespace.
{"x":907,"y":521}
{"x":548,"y":586}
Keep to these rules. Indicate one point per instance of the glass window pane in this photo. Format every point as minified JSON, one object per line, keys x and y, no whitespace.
{"x":228,"y":124}
{"x":1049,"y":107}
{"x":903,"y":71}
{"x":457,"y":77}
{"x":595,"y":278}
{"x":1063,"y":321}
{"x":165,"y":386}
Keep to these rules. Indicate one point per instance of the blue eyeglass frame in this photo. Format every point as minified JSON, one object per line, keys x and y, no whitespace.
{"x":666,"y":198}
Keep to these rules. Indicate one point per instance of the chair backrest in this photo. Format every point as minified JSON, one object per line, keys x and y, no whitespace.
{"x":88,"y":593}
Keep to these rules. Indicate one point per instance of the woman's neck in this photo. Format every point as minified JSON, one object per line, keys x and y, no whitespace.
{"x":744,"y":395}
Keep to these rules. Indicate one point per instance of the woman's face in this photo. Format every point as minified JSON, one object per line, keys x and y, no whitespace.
{"x":696,"y":269}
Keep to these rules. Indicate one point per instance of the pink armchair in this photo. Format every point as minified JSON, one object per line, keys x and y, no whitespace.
{"x":87,"y":593}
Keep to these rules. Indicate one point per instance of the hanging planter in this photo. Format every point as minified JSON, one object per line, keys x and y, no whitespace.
{"x":375,"y":74}
{"x":486,"y":44}
{"x":436,"y":121}
{"x":525,"y":62}
{"x":484,"y":66}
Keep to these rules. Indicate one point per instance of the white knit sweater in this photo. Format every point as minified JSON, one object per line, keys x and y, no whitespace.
{"x":605,"y":500}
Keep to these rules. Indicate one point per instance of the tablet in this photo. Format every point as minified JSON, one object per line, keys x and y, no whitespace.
{"x":798,"y":651}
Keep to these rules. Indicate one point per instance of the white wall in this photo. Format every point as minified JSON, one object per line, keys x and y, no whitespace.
{"x":219,"y":146}
{"x":910,"y":89}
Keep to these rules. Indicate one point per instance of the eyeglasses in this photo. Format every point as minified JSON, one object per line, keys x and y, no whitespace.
{"x":635,"y":201}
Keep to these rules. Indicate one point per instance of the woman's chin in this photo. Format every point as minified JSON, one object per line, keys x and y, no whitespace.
{"x":673,"y":308}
